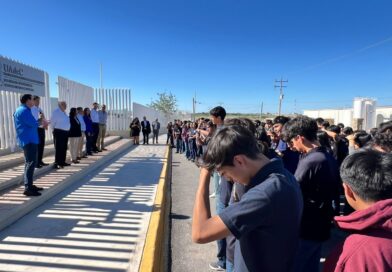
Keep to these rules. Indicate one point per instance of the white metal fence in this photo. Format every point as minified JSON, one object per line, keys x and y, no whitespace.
{"x":9,"y":101}
{"x":118,"y":105}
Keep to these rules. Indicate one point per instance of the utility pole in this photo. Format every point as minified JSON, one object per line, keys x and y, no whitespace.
{"x":193,"y":108}
{"x":261,"y":109}
{"x":194,"y":102}
{"x":281,"y":86}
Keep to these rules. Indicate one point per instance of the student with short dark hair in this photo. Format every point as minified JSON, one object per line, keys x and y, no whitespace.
{"x":259,"y":221}
{"x":290,"y":158}
{"x":339,"y":144}
{"x":319,"y":122}
{"x":385,"y":127}
{"x":218,"y":115}
{"x":367,"y":181}
{"x":341,"y":125}
{"x":318,"y":176}
{"x":347,"y":131}
{"x":361,"y":139}
{"x":382,"y":142}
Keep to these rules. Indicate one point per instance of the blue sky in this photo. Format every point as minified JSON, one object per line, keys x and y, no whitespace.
{"x":228,"y":52}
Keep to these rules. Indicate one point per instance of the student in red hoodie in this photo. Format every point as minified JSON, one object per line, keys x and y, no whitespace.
{"x":367,"y":182}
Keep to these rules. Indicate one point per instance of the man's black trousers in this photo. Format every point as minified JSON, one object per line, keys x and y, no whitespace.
{"x":60,"y":145}
{"x":95,"y":136}
{"x":41,"y":145}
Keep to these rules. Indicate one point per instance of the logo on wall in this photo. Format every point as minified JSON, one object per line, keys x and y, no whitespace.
{"x":21,"y":78}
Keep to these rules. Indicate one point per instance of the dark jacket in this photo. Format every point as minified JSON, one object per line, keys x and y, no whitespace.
{"x":75,"y":130}
{"x":146,"y":128}
{"x":89,"y":124}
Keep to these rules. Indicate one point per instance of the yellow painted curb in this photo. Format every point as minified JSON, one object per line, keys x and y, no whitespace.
{"x":153,"y":256}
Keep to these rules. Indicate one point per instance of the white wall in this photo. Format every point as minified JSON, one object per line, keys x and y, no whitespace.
{"x":75,"y":93}
{"x":151,"y":114}
{"x":383,"y":114}
{"x":345,"y":116}
{"x":338,"y":115}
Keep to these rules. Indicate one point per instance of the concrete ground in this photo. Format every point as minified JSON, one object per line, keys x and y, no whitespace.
{"x":99,"y":223}
{"x":186,"y":255}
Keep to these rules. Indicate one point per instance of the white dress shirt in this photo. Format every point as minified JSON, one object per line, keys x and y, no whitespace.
{"x":82,"y":123}
{"x":94,"y":116}
{"x":60,"y":120}
{"x":35,"y":112}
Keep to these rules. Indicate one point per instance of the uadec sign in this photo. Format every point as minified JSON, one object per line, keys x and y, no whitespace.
{"x":17,"y":77}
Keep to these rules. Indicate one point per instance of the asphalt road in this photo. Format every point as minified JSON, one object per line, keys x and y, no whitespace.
{"x":186,"y":255}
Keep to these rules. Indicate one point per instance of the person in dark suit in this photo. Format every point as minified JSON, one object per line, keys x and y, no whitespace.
{"x":146,"y":129}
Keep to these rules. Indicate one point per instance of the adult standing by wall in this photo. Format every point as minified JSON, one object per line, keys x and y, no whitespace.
{"x":95,"y":118}
{"x":43,"y":125}
{"x":27,"y":136}
{"x":74,"y":135}
{"x":156,"y":126}
{"x":103,"y":117}
{"x":80,"y":115}
{"x":61,"y":125}
{"x":146,"y":129}
{"x":89,"y":131}
{"x":135,"y":130}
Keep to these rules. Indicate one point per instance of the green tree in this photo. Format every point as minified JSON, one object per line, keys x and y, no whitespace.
{"x":166,"y":103}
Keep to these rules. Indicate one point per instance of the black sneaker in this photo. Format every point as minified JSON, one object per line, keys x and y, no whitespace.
{"x":36,"y":188}
{"x":31,"y":192}
{"x":216,"y":267}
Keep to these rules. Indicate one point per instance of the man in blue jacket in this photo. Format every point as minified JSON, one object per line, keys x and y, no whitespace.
{"x":27,"y":136}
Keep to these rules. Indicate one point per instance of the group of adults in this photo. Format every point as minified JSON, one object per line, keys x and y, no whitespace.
{"x":278,"y":185}
{"x":145,"y":127}
{"x":74,"y":130}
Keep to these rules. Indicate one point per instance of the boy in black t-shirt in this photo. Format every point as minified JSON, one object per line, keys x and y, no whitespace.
{"x":318,"y":176}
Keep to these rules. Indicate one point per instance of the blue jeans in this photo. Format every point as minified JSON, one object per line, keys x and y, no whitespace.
{"x":219,"y":208}
{"x":31,"y":155}
{"x":229,"y":266}
{"x":178,"y":145}
{"x":308,"y":256}
{"x":192,"y":149}
{"x":186,"y":147}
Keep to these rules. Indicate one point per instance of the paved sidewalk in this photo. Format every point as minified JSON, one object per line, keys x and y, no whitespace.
{"x":97,"y":224}
{"x":12,"y":166}
{"x":186,"y":255}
